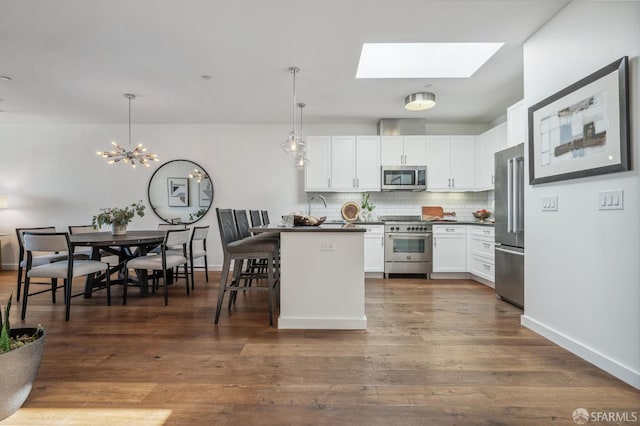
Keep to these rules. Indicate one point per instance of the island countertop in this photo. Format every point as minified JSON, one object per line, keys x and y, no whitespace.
{"x":331,"y":227}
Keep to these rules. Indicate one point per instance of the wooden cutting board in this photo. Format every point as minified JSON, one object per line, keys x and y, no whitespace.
{"x":429,"y":212}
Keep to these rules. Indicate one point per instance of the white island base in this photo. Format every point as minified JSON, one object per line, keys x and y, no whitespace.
{"x":322,"y":280}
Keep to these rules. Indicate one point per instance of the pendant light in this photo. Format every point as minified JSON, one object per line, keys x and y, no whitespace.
{"x":420,"y":101}
{"x":293,"y":145}
{"x":301,"y":159}
{"x":138,"y":154}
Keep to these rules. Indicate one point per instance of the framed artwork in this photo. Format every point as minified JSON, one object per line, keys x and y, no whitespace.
{"x":178,"y":189}
{"x":205,"y":192}
{"x":582,"y":130}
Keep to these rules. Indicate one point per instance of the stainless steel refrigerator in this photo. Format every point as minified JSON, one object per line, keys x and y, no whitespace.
{"x":509,"y":226}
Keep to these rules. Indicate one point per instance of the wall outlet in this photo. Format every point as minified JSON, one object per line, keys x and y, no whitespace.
{"x":326,"y":246}
{"x":611,"y":200}
{"x":550,"y":203}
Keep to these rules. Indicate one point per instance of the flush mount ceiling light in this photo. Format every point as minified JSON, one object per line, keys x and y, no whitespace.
{"x":293,"y":145}
{"x":138,"y":154}
{"x":420,"y":101}
{"x":423,"y":60}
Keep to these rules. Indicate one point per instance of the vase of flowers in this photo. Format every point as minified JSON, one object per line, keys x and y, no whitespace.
{"x":366,"y":213}
{"x":118,"y":217}
{"x":20,"y":355}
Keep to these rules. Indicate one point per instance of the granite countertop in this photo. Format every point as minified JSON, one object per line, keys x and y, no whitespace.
{"x":325,"y":227}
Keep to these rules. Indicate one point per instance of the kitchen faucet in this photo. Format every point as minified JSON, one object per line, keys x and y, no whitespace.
{"x":313,"y":198}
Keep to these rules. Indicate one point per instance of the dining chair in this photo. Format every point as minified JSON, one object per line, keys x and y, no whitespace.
{"x":256,"y":217}
{"x":198,"y":250}
{"x":41,"y":259}
{"x":265,"y":217}
{"x":67,"y":270}
{"x":238,"y":250}
{"x":160,"y":263}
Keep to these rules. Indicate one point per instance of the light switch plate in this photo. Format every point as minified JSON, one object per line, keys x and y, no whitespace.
{"x":611,"y":200}
{"x":550,"y":203}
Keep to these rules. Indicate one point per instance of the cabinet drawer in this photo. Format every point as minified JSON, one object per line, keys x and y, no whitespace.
{"x":374,"y":229}
{"x":483,"y":231}
{"x":482,"y":267}
{"x":449,"y":229}
{"x":482,"y":247}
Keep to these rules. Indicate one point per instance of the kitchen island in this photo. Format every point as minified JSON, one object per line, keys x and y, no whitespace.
{"x":321,"y":276}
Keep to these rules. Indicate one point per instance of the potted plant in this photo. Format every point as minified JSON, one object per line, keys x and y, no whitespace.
{"x":367,"y":207}
{"x":118,"y":217}
{"x":20,"y":355}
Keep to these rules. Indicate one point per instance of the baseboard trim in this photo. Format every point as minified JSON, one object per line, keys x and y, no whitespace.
{"x":323,"y":323}
{"x":601,"y":361}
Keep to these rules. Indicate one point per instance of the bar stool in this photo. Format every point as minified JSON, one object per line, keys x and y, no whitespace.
{"x":237,"y":249}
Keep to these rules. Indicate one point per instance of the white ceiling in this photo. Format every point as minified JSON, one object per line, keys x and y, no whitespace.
{"x":71,"y":61}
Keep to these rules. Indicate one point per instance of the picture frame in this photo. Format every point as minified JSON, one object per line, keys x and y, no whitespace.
{"x":178,"y":191}
{"x":582,"y":130}
{"x":205,"y":192}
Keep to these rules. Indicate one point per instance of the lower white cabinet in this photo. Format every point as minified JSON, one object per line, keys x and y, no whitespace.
{"x":449,"y":248}
{"x":374,"y":248}
{"x":481,"y":251}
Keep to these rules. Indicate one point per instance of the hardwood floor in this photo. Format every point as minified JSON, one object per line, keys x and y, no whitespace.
{"x":435,"y":353}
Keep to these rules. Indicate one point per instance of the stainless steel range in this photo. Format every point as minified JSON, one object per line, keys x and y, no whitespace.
{"x":408,"y":245}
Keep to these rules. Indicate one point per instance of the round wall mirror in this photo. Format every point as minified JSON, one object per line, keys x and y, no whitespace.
{"x":180,"y":191}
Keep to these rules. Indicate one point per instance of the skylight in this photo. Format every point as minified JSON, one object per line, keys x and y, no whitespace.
{"x":423,"y":60}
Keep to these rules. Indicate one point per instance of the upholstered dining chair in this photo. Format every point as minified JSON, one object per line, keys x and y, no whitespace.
{"x":198,"y":250}
{"x":66,"y":270}
{"x":238,"y":250}
{"x":88,"y":251}
{"x":37,"y":260}
{"x":160,"y":263}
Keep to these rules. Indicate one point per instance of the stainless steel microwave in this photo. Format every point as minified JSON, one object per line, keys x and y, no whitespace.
{"x":404,"y":178}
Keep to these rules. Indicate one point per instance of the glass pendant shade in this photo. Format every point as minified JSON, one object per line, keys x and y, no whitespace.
{"x":293,"y":145}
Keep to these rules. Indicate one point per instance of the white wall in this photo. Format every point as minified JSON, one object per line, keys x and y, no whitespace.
{"x":54,"y":177}
{"x":582,"y":268}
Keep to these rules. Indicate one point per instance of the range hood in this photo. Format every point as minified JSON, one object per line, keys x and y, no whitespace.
{"x":402,"y":126}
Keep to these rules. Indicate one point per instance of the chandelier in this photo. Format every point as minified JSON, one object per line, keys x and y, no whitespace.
{"x":197,"y":175}
{"x":293,"y":145}
{"x":137,"y":154}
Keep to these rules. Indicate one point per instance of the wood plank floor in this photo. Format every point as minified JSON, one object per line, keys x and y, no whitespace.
{"x":435,"y":353}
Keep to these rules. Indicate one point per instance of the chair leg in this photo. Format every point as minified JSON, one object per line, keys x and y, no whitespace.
{"x":25,"y":296}
{"x":124,"y":285}
{"x":19,"y":284}
{"x":192,"y":275}
{"x":223,"y":284}
{"x":54,"y":287}
{"x":206,"y":268}
{"x":186,"y":278}
{"x":107,"y":281}
{"x":270,"y":284}
{"x":164,"y":286}
{"x":67,"y":304}
{"x":237,"y":271}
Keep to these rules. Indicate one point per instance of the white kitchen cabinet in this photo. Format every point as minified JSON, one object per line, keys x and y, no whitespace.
{"x":343,"y":163}
{"x":374,"y":248}
{"x":516,"y":125}
{"x":318,"y":171}
{"x":451,"y":163}
{"x":449,"y":248}
{"x":486,"y":146}
{"x":368,"y":163}
{"x":403,"y":150}
{"x":481,"y":251}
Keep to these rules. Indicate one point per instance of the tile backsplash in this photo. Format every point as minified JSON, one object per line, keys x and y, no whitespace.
{"x":405,"y":203}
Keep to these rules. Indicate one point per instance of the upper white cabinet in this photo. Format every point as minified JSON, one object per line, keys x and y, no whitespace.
{"x":516,"y":125}
{"x":451,"y":163}
{"x":486,"y":146}
{"x":318,"y":171}
{"x":403,"y":150}
{"x":343,"y":163}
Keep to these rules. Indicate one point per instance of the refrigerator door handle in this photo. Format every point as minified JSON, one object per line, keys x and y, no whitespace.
{"x":510,"y":195}
{"x":517,"y":253}
{"x":515,"y":195}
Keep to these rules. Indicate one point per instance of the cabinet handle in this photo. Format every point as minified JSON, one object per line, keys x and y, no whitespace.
{"x":353,"y":183}
{"x":449,"y":182}
{"x":382,"y":242}
{"x":357,"y":182}
{"x":493,"y":179}
{"x":486,"y":245}
{"x":329,"y":182}
{"x":434,"y":241}
{"x":487,"y":267}
{"x":453,"y":182}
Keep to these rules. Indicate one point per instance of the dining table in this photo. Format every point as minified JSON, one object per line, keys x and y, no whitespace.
{"x":125,"y":247}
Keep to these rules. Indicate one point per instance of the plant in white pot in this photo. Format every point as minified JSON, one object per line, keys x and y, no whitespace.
{"x":20,"y":355}
{"x":118,"y":217}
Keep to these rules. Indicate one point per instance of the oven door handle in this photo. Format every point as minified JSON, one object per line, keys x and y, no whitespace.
{"x":410,"y":236}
